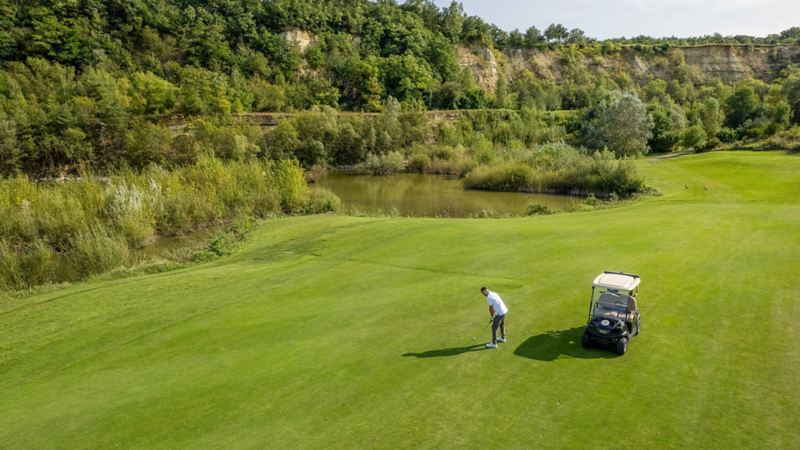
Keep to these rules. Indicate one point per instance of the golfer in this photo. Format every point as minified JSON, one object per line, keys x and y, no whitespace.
{"x":498,"y":311}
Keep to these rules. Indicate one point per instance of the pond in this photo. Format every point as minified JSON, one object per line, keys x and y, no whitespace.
{"x":421,"y":195}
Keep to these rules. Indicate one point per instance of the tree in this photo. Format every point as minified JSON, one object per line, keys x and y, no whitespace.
{"x":576,"y":36}
{"x":741,"y":105}
{"x":533,"y":37}
{"x":358,"y":84}
{"x":711,"y":116}
{"x":556,"y":33}
{"x":668,"y":123}
{"x":281,"y":142}
{"x":10,"y":152}
{"x":791,"y":89}
{"x":694,"y":137}
{"x":151,"y":94}
{"x":627,"y":126}
{"x":515,"y":39}
{"x":453,"y":21}
{"x":406,"y":77}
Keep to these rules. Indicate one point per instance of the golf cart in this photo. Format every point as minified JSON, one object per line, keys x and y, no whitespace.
{"x":613,"y":314}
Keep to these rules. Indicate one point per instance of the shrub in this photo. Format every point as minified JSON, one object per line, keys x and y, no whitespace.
{"x":419,"y":162}
{"x":388,"y":163}
{"x":97,"y":250}
{"x":11,"y":275}
{"x":507,"y":176}
{"x":38,"y":263}
{"x":130,"y":209}
{"x":68,"y":230}
{"x":786,"y":140}
{"x":322,"y":200}
{"x":291,"y":184}
{"x":536,"y":209}
{"x":559,"y":168}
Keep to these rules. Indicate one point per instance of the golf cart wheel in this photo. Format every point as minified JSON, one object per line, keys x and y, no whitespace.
{"x":622,"y":346}
{"x":586,"y":340}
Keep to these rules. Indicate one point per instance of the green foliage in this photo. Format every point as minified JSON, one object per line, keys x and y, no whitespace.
{"x":70,"y":230}
{"x":668,"y":123}
{"x":535,"y":209}
{"x":559,"y":168}
{"x":621,"y":123}
{"x":391,"y":162}
{"x":741,"y":106}
{"x":322,"y":200}
{"x":97,"y":250}
{"x":99,"y":84}
{"x":694,"y":138}
{"x":627,"y":126}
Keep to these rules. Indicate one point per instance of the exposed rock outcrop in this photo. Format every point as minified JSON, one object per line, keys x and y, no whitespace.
{"x":482,"y":63}
{"x":728,"y":62}
{"x":732,"y":63}
{"x":301,"y":38}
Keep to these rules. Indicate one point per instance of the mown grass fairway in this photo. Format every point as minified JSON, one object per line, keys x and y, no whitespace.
{"x":341,"y":332}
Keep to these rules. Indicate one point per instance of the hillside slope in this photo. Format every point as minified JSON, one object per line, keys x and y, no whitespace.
{"x":342,"y":332}
{"x":730,"y":63}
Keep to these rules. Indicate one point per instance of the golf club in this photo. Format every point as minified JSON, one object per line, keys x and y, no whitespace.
{"x":485,"y":327}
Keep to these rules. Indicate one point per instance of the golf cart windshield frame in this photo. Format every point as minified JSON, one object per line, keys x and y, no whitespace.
{"x":617,"y":305}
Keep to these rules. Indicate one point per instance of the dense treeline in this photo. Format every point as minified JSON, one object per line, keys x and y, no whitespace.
{"x":88,"y":82}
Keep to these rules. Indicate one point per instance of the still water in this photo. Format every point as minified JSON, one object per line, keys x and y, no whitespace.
{"x":429,"y":196}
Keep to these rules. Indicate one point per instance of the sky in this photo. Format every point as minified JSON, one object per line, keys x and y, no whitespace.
{"x":627,"y":18}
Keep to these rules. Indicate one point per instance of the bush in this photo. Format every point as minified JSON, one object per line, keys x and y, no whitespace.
{"x":385,"y":164}
{"x":39,"y":263}
{"x":559,"y":168}
{"x":11,"y":275}
{"x":69,"y":230}
{"x":536,"y":209}
{"x":131,"y":211}
{"x":419,"y":162}
{"x":322,"y":200}
{"x":507,"y":176}
{"x":97,"y":250}
{"x":786,"y":140}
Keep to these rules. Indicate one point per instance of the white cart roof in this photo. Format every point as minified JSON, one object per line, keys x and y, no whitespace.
{"x":617,"y":280}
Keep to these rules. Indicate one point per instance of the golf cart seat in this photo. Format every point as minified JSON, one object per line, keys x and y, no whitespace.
{"x":610,"y":298}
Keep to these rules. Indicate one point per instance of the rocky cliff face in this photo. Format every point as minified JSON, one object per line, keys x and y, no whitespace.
{"x":732,"y":63}
{"x":482,"y":63}
{"x":301,"y":38}
{"x":729,"y":63}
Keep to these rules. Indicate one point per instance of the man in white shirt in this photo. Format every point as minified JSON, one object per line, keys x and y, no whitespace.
{"x":497,"y":310}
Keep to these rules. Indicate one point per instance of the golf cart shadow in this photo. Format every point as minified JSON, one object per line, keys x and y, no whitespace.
{"x":453,"y":351}
{"x":559,"y":344}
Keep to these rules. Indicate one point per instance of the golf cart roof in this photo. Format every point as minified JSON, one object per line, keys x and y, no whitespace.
{"x":617,"y":280}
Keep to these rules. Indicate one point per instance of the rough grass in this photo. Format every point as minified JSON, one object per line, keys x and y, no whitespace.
{"x":343,"y":332}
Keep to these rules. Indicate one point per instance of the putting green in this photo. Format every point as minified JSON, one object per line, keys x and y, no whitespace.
{"x":342,"y":332}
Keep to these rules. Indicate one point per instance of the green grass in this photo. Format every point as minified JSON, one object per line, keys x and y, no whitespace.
{"x":342,"y":332}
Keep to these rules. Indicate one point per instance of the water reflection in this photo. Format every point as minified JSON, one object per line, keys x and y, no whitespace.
{"x":429,"y":196}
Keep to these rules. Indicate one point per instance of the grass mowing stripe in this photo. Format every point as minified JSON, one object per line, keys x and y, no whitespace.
{"x":342,"y":332}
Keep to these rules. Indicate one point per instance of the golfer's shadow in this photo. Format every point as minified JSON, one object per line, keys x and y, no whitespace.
{"x":453,"y":351}
{"x":552,"y":345}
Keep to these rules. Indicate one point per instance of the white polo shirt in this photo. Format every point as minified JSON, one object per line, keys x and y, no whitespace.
{"x":494,"y":300}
